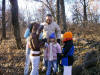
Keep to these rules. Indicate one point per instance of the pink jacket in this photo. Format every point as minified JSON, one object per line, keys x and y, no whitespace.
{"x":56,"y":48}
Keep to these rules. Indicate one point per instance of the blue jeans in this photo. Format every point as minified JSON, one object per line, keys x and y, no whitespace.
{"x":51,"y":64}
{"x":46,"y":63}
{"x":27,"y":62}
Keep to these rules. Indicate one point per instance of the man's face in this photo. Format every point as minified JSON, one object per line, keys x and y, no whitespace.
{"x":49,"y":19}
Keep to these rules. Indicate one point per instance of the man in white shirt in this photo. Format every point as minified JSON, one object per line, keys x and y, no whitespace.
{"x":51,"y":27}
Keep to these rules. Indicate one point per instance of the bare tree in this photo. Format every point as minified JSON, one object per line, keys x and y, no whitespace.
{"x":85,"y":11}
{"x":77,"y":16}
{"x":85,"y":5}
{"x":49,"y":4}
{"x":63,"y":17}
{"x":42,"y":12}
{"x":93,"y":15}
{"x":15,"y":22}
{"x":3,"y":20}
{"x":58,"y":12}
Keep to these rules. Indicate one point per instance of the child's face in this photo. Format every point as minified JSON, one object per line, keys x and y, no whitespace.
{"x":52,"y":40}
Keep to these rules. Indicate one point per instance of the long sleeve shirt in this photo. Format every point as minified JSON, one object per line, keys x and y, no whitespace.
{"x":27,"y":33}
{"x":51,"y":28}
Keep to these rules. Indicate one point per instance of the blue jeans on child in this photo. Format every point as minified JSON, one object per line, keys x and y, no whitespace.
{"x":51,"y":64}
{"x":27,"y":61}
{"x":46,"y":63}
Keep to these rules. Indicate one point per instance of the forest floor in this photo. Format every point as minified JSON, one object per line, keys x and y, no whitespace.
{"x":12,"y":60}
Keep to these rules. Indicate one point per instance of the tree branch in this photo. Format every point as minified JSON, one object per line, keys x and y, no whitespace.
{"x":81,"y":2}
{"x":49,"y":7}
{"x":46,"y":5}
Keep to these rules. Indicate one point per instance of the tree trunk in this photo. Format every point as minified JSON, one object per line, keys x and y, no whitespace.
{"x":58,"y":12}
{"x":85,"y":13}
{"x":15,"y":22}
{"x":63,"y":17}
{"x":3,"y":20}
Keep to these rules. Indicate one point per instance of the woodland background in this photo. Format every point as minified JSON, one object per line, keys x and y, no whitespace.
{"x":84,"y":24}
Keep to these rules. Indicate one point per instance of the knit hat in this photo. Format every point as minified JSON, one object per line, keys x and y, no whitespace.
{"x":67,"y":36}
{"x":52,"y":36}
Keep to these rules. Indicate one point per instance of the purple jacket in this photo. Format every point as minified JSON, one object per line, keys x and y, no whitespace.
{"x":56,"y":48}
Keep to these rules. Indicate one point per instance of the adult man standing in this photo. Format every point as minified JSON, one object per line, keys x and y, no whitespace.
{"x":51,"y":27}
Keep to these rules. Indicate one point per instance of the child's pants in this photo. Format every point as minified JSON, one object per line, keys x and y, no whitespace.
{"x":45,"y":62}
{"x":67,"y":70}
{"x":35,"y":60}
{"x":27,"y":62}
{"x":50,"y":65}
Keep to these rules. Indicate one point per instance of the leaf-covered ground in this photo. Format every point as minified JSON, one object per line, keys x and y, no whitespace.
{"x":87,"y":48}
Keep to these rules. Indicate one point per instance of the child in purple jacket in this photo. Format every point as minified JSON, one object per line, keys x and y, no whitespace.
{"x":51,"y":54}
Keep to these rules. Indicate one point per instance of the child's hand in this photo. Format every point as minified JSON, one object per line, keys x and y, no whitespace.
{"x":62,"y":55}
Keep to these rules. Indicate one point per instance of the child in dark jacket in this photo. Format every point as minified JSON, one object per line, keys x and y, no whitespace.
{"x":67,"y":53}
{"x":35,"y":45}
{"x":27,"y":34}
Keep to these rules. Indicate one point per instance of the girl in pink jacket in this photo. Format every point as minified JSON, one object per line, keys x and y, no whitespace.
{"x":51,"y":54}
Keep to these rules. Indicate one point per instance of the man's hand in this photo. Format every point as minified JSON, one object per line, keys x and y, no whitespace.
{"x":44,"y":40}
{"x":58,"y":40}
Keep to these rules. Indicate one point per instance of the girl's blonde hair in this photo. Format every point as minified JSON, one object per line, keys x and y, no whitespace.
{"x":55,"y":41}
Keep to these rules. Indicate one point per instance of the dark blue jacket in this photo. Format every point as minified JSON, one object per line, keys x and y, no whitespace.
{"x":68,"y":51}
